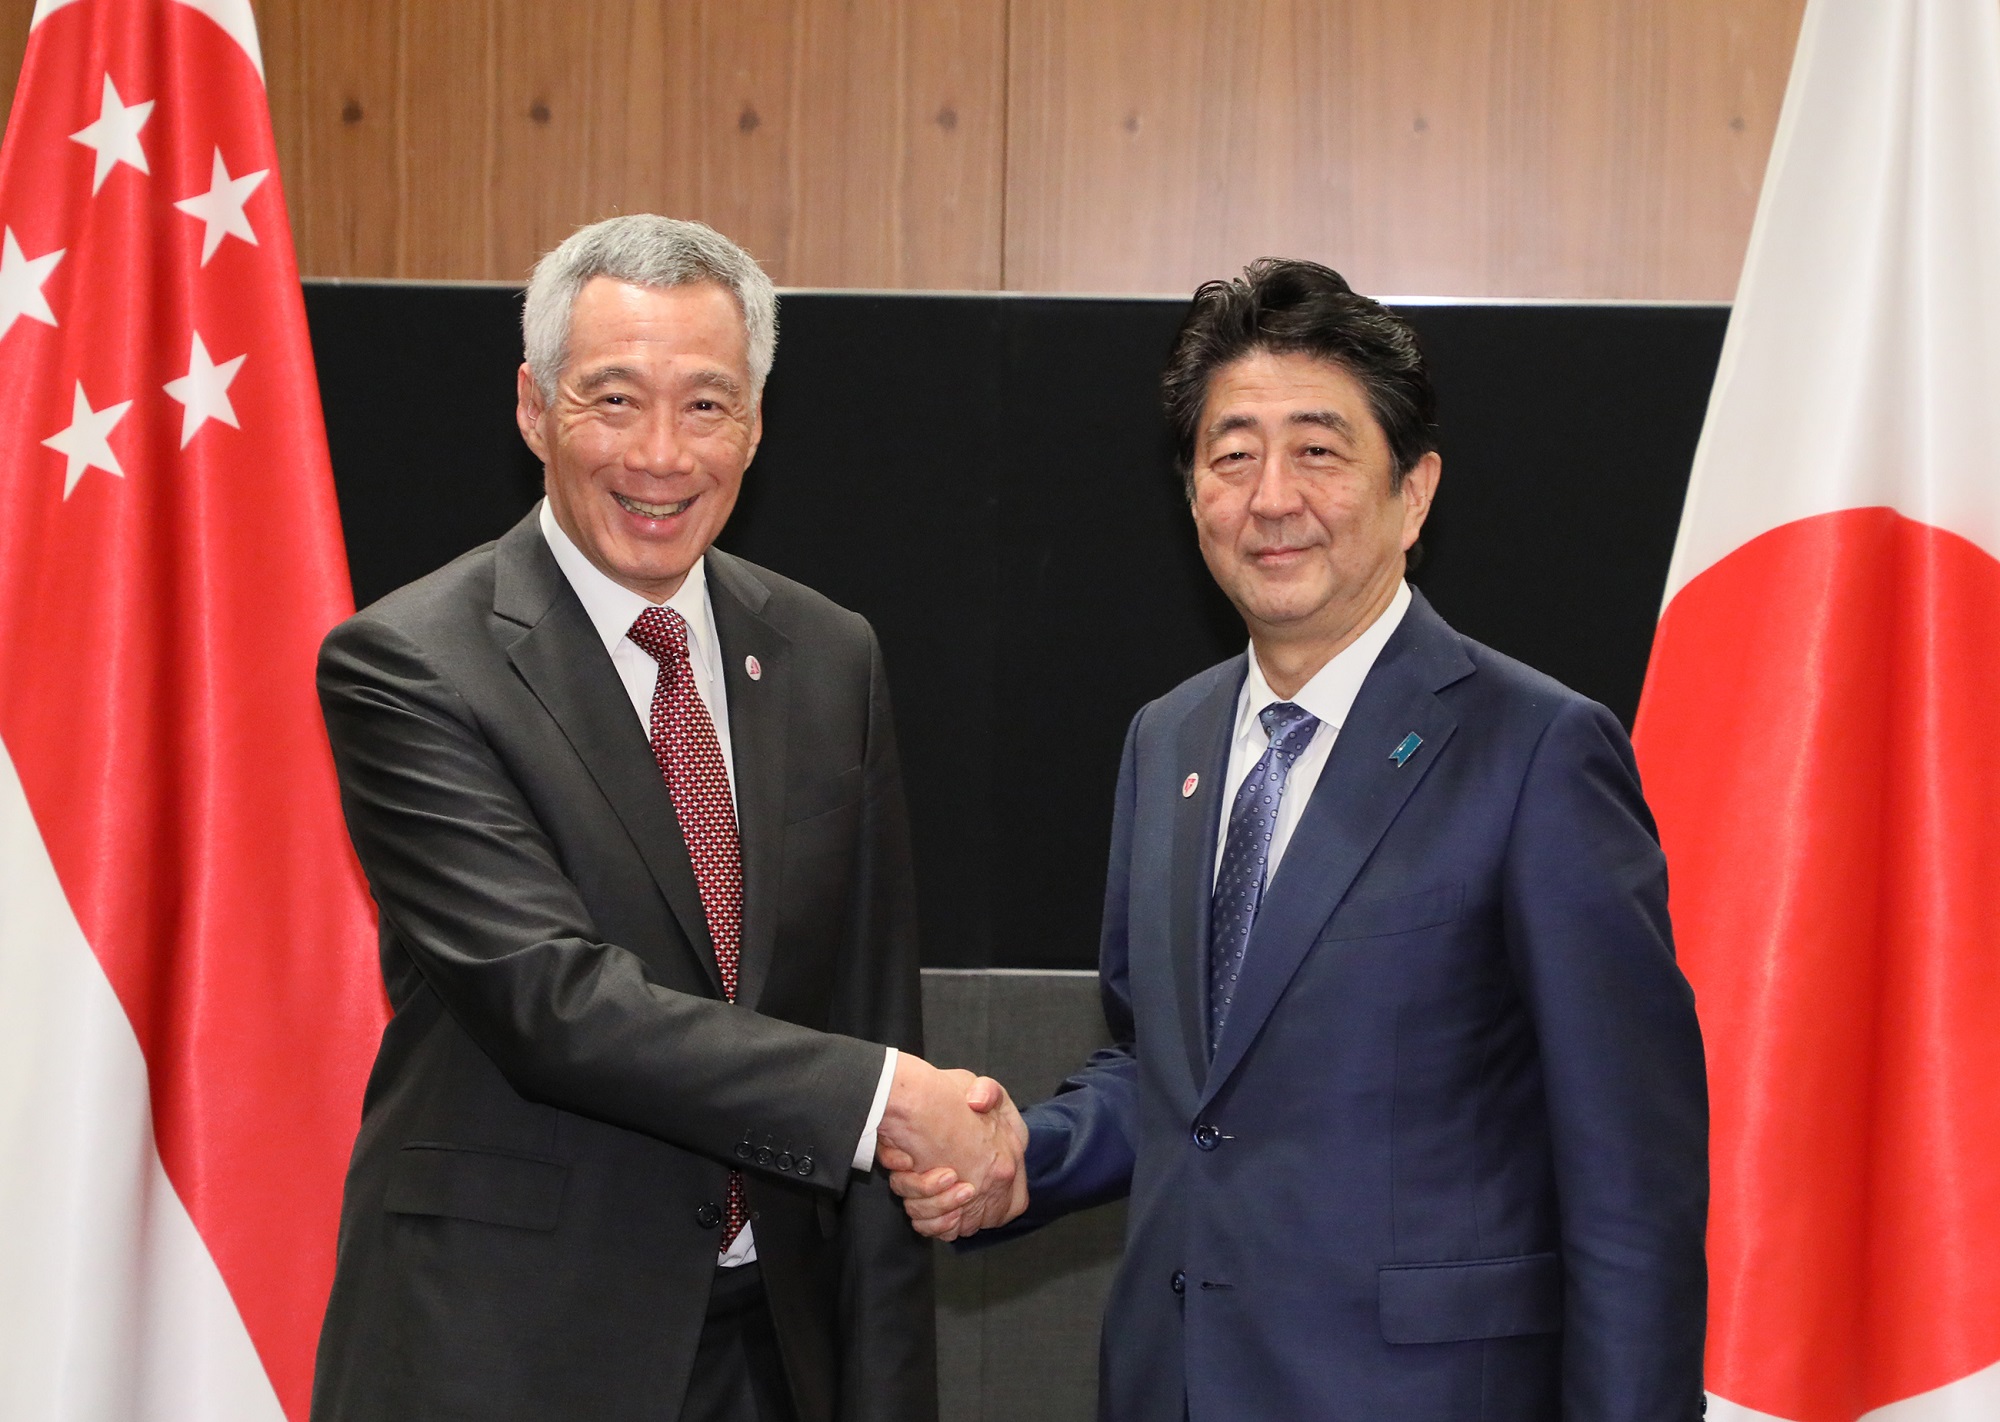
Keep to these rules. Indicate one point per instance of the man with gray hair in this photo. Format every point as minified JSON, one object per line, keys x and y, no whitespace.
{"x":632,"y":813}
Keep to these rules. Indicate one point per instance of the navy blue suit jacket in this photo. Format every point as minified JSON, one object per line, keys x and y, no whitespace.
{"x":1450,"y":1157}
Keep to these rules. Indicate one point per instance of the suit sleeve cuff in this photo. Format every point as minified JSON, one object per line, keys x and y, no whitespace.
{"x":864,"y":1151}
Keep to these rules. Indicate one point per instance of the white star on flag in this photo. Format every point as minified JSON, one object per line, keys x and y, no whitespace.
{"x":21,"y":283}
{"x":221,"y":207}
{"x":115,"y":135}
{"x":177,"y":1114}
{"x":204,"y":391}
{"x":86,"y":443}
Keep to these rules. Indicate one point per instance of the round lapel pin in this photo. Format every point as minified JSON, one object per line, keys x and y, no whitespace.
{"x":754,"y":667}
{"x":1188,"y":785}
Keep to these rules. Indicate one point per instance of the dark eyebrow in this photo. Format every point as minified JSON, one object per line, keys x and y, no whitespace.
{"x":1326,"y":420}
{"x":1228,"y":424}
{"x":1322,"y":419}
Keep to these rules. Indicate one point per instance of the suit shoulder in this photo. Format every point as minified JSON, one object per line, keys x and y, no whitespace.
{"x":1169,"y":710}
{"x":441,"y":602}
{"x":1224,"y":675}
{"x":1520,"y":692}
{"x":788,"y":604}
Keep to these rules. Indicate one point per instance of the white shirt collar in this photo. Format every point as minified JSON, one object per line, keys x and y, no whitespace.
{"x":612,"y":607}
{"x":1331,"y":692}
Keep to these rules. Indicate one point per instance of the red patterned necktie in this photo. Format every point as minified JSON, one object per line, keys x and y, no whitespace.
{"x":690,"y":758}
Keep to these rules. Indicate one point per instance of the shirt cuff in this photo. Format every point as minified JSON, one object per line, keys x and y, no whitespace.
{"x":864,"y":1153}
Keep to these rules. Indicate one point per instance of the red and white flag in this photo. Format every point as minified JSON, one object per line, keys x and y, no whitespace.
{"x":188,"y":993}
{"x":1820,"y":737}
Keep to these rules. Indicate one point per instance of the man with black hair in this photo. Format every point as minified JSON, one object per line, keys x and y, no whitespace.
{"x":1405,"y":1087}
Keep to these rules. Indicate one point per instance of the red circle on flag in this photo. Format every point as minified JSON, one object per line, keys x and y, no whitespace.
{"x":1824,"y":781}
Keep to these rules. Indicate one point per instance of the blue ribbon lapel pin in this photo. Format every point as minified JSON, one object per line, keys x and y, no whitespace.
{"x":1405,"y":748}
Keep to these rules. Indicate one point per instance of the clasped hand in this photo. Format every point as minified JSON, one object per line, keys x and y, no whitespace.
{"x":953,"y":1144}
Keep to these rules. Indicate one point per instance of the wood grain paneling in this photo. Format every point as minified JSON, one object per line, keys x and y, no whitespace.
{"x":578,"y":132}
{"x":844,"y":142}
{"x":1462,"y":147}
{"x":13,"y":43}
{"x":1564,"y":148}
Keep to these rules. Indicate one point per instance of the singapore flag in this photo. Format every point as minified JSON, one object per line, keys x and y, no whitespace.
{"x":188,"y":995}
{"x":1820,"y":737}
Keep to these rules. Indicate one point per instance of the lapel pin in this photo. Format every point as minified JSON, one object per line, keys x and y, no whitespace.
{"x":1405,"y":748}
{"x":1188,"y":785}
{"x":754,"y":667}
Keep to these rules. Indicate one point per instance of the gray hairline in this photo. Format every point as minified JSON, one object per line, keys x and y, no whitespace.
{"x":649,"y":251}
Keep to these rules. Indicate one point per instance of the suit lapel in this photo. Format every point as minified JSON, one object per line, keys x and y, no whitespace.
{"x":1360,"y":793}
{"x":758,"y":718}
{"x":564,"y":663}
{"x":1202,"y":749}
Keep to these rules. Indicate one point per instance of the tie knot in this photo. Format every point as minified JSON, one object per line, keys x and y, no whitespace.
{"x":1289,"y":726}
{"x":662,"y":634}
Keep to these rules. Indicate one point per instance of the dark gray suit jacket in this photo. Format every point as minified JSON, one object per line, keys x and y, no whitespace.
{"x":530,"y":1220}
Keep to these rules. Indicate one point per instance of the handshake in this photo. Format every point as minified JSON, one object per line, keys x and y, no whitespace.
{"x":953,"y":1144}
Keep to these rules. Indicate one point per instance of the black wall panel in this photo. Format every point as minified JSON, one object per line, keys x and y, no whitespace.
{"x":987,"y":479}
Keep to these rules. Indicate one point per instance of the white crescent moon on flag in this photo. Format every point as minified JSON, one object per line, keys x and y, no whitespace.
{"x":46,"y":8}
{"x":235,"y":17}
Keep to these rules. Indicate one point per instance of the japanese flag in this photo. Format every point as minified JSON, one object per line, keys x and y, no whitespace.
{"x":1820,"y":737}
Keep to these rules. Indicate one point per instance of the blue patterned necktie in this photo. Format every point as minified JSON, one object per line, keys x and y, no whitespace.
{"x":1246,"y":854}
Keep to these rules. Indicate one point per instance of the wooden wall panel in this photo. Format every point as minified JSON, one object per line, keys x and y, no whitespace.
{"x":13,"y":42}
{"x":1434,"y":147}
{"x":1564,"y":148}
{"x":578,"y":131}
{"x":446,"y":160}
{"x":929,"y":78}
{"x":844,"y":142}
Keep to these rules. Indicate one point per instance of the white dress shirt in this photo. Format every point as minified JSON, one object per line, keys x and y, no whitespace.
{"x":613,"y":609}
{"x":1329,"y":696}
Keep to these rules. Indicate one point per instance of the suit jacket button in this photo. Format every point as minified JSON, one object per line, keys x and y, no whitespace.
{"x":785,"y":1161}
{"x":764,"y":1154}
{"x":707,"y":1216}
{"x":744,"y":1150}
{"x":805,"y":1165}
{"x":1207,"y":1137}
{"x":1179,"y":1282}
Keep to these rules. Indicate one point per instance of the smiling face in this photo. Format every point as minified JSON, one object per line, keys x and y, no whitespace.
{"x":1294,"y":508}
{"x":653,"y":422}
